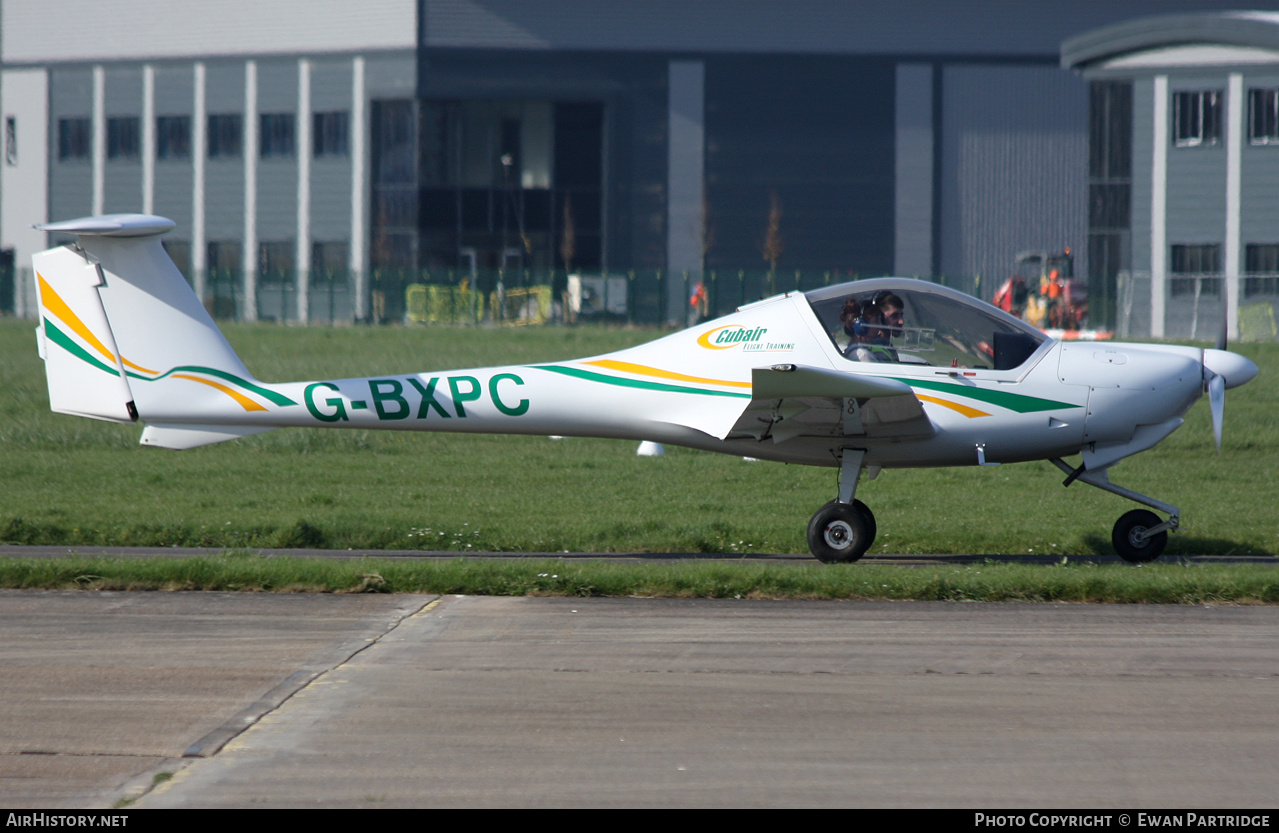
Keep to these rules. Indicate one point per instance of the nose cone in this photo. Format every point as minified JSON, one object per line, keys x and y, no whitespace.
{"x":1232,"y":367}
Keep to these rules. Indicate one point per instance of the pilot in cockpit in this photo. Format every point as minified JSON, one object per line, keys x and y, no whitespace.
{"x":868,"y":333}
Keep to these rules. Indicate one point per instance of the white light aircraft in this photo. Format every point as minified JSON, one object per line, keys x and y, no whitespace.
{"x":943,"y":380}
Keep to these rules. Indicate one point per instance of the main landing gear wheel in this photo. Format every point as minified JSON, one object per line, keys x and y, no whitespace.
{"x":1127,"y":543}
{"x":841,"y":532}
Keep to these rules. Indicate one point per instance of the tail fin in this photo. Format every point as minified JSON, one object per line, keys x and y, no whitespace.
{"x":119,"y":323}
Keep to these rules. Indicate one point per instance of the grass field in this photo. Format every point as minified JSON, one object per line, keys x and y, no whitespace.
{"x":240,"y":571}
{"x":72,"y":481}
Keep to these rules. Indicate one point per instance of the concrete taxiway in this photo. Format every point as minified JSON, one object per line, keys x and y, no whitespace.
{"x":383,"y":701}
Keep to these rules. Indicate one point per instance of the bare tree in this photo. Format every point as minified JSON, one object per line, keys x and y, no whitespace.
{"x":704,"y":237}
{"x":773,"y":245}
{"x":568,"y":236}
{"x":382,"y":254}
{"x":568,"y":250}
{"x":704,"y":230}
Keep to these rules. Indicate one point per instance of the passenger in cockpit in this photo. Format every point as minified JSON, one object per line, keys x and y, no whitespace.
{"x":891,"y":307}
{"x":867,"y":332}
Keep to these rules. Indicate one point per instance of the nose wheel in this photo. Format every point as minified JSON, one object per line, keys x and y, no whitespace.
{"x":1133,"y":538}
{"x":1139,"y":536}
{"x":840,"y":533}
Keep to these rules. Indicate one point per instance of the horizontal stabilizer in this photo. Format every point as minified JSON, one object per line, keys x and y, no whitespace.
{"x":112,"y":225}
{"x":182,"y":437}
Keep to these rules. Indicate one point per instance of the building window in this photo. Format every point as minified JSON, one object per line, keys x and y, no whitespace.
{"x":124,"y":137}
{"x":223,"y":286}
{"x":1262,"y":258}
{"x":173,"y":137}
{"x":1109,"y":195}
{"x":1263,"y":117}
{"x":179,"y":252}
{"x":74,"y":139}
{"x":276,"y":138}
{"x":330,"y":261}
{"x":226,"y":136}
{"x":1261,"y":267}
{"x":275,"y":263}
{"x":11,"y":140}
{"x":1196,"y":260}
{"x":329,"y":134}
{"x":1196,"y":270}
{"x":1196,"y":118}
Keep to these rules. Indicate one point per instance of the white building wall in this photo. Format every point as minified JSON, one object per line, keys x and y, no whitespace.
{"x":24,"y":173}
{"x":193,"y":58}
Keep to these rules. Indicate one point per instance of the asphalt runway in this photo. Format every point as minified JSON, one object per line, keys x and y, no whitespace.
{"x":254,"y":700}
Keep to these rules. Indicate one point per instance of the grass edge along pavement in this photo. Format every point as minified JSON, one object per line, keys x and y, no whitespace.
{"x":238,"y":571}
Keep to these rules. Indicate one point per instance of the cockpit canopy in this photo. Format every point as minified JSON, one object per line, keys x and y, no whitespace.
{"x":935,"y":326}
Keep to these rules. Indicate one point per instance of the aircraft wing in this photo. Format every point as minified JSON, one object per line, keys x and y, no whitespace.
{"x":790,"y":401}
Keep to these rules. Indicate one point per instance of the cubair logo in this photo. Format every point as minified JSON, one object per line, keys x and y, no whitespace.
{"x":722,"y":338}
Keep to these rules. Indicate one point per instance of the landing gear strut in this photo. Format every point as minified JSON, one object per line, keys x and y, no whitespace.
{"x":842,"y":530}
{"x":1139,"y":536}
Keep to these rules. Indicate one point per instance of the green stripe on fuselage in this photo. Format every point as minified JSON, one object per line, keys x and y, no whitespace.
{"x":63,"y":340}
{"x":635,"y":383}
{"x":277,"y":398}
{"x":1018,"y":402}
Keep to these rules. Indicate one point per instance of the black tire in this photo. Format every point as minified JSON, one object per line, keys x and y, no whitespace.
{"x":872,"y":528}
{"x":1126,"y":530}
{"x":840,"y":533}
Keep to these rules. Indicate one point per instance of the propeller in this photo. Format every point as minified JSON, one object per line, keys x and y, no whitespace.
{"x":1223,"y":369}
{"x":1217,"y":384}
{"x":1217,"y":402}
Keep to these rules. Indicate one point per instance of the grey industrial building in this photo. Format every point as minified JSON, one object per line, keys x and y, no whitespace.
{"x":309,"y":148}
{"x":1183,"y":205}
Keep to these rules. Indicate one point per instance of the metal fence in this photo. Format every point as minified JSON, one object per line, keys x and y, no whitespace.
{"x":636,"y":296}
{"x":1194,"y":305}
{"x":651,"y":297}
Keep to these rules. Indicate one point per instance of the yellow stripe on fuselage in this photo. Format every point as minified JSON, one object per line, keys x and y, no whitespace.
{"x":954,"y":406}
{"x":642,"y":370}
{"x":245,"y":402}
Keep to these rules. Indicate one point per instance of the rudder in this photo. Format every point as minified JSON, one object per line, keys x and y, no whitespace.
{"x":119,"y":325}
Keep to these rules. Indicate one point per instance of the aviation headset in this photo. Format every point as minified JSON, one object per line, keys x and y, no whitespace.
{"x":885,"y":295}
{"x":861,"y":326}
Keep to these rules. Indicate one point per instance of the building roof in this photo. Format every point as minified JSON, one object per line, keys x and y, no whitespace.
{"x":35,"y":32}
{"x":1180,"y":39}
